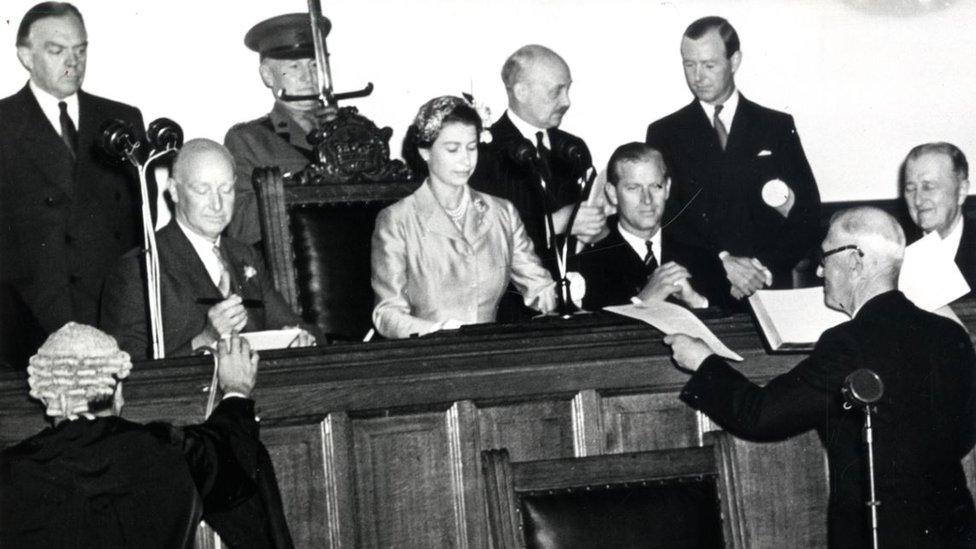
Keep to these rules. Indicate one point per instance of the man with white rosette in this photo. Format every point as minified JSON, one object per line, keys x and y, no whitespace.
{"x":741,"y":184}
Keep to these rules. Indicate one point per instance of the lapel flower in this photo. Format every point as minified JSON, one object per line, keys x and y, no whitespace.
{"x":249,"y":272}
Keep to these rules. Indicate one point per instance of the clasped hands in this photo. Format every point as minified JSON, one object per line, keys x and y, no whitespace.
{"x":746,"y":274}
{"x":671,"y":279}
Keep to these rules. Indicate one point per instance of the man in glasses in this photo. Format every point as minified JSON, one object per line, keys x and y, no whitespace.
{"x":925,"y":422}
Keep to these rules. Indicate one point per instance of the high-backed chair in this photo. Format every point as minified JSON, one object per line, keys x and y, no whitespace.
{"x":679,"y":498}
{"x":317,"y":244}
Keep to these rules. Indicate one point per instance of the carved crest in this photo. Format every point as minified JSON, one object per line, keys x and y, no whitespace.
{"x":351,"y":149}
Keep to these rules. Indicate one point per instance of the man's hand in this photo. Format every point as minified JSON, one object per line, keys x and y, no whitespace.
{"x":303,"y":339}
{"x":664,"y":281}
{"x":689,"y":352}
{"x":589,"y":226}
{"x":237,"y":365}
{"x":746,"y":275}
{"x":326,"y":113}
{"x":226,"y":317}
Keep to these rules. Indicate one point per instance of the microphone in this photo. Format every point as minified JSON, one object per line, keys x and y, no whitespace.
{"x":117,"y":140}
{"x":163,"y":134}
{"x":862,"y":387}
{"x":574,"y":153}
{"x":522,"y":152}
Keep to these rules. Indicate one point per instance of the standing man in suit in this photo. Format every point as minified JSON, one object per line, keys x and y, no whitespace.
{"x":935,"y":183}
{"x":742,"y":187}
{"x":537,"y":81}
{"x":634,"y":259}
{"x":66,"y":214}
{"x":924,"y":424}
{"x":211,"y":285}
{"x":278,"y":138}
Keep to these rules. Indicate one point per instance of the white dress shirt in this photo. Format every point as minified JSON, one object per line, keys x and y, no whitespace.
{"x":638,"y":243}
{"x":528,"y":131}
{"x":49,"y":105}
{"x":204,"y":248}
{"x":728,"y":111}
{"x":950,"y":244}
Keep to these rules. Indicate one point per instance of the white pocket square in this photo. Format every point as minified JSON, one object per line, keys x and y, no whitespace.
{"x":765,"y":152}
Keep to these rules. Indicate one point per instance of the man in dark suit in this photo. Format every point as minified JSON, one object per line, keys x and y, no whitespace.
{"x":211,"y":285}
{"x":279,"y":137}
{"x":66,"y":214}
{"x":741,"y":184}
{"x":935,"y":183}
{"x":634,"y":260}
{"x":924,"y":423}
{"x":537,"y":81}
{"x":97,"y":480}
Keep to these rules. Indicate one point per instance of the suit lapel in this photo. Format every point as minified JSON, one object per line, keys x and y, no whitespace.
{"x":43,"y":145}
{"x":181,"y":261}
{"x":743,"y":129}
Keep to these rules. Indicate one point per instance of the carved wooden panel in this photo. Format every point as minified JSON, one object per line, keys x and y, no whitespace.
{"x":296,"y":452}
{"x":656,"y":421}
{"x":404,"y":481}
{"x":783,"y":489}
{"x":529,"y":430}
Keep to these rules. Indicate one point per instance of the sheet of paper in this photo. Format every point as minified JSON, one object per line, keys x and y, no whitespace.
{"x":929,"y":275}
{"x":799,"y":316}
{"x":673,"y":319}
{"x":271,"y":339}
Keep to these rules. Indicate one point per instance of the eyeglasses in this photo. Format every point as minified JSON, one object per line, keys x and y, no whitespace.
{"x":825,"y":254}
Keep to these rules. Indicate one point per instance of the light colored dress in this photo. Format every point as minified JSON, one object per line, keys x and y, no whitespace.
{"x":425,"y":270}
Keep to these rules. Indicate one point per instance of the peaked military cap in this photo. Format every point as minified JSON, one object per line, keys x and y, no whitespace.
{"x":287,"y":36}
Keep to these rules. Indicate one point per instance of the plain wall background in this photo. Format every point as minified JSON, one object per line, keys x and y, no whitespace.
{"x":864,"y":86}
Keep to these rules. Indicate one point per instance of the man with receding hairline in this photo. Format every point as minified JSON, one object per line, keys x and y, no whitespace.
{"x":66,"y":213}
{"x":924,"y":424}
{"x":537,"y":82}
{"x":935,"y":184}
{"x":741,"y":184}
{"x":211,"y":285}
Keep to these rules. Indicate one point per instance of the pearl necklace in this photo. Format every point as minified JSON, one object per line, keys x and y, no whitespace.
{"x":457,"y":214}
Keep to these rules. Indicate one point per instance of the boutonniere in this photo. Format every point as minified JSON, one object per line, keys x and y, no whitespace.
{"x":249,"y":272}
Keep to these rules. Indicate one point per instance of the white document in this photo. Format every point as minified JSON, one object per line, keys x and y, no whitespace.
{"x":929,"y":275}
{"x":674,"y":319}
{"x":271,"y":339}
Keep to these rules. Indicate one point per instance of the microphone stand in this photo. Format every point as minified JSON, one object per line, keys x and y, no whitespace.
{"x":862,"y":388}
{"x":565,"y":308}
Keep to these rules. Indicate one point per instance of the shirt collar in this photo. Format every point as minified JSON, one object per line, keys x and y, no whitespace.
{"x":201,"y":244}
{"x":527,"y":130}
{"x":50,"y":108}
{"x":728,"y":110}
{"x":951,"y":241}
{"x":283,"y":121}
{"x":638,"y":243}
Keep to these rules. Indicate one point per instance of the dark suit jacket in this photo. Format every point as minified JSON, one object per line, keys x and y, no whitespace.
{"x":965,"y":255}
{"x":109,"y":482}
{"x":63,"y":223}
{"x":183,"y":280}
{"x":924,"y":425}
{"x":716,"y":202}
{"x":498,"y":174}
{"x":614,"y":272}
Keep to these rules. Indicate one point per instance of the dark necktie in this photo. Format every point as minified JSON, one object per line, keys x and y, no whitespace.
{"x":649,"y":260}
{"x":224,"y":284}
{"x":723,"y":134}
{"x":545,"y":156}
{"x":69,"y":133}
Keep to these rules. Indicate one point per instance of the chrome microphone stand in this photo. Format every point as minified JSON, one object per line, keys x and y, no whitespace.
{"x":862,"y":388}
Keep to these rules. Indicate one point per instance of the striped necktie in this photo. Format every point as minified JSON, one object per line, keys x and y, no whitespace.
{"x":649,"y":260}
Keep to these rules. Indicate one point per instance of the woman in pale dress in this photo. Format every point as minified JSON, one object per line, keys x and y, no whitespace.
{"x":443,"y":256}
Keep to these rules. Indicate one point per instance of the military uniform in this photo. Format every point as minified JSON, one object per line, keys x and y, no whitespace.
{"x":275,"y":139}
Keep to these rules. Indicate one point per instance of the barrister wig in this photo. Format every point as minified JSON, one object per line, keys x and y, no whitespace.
{"x":77,"y":367}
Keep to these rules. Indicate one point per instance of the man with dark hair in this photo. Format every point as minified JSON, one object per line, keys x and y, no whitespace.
{"x":279,"y":138}
{"x":742,"y":187}
{"x":634,"y":260}
{"x":935,"y":183}
{"x":924,"y":424}
{"x":66,"y":214}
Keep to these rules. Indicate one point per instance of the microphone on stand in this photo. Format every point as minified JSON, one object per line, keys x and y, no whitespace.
{"x":862,"y":388}
{"x":522,"y":152}
{"x":118,"y":140}
{"x":574,"y":152}
{"x":163,"y":134}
